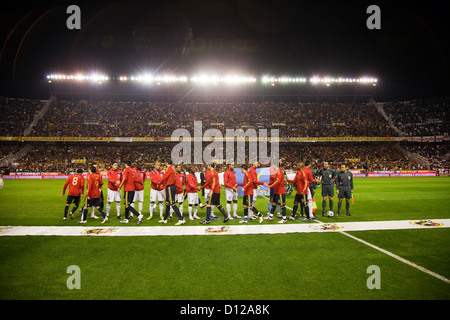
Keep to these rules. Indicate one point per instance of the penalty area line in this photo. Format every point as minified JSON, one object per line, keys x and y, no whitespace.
{"x":412,"y":264}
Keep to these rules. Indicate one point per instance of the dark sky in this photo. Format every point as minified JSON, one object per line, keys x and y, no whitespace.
{"x":410,"y":53}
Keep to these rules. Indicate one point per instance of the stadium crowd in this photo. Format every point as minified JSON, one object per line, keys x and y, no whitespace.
{"x":17,"y":115}
{"x":159,"y":120}
{"x":421,"y":117}
{"x":69,"y":157}
{"x":148,"y":119}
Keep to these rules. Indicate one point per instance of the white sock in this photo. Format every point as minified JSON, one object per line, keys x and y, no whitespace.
{"x":234,"y":209}
{"x":195,"y":210}
{"x":151,"y":208}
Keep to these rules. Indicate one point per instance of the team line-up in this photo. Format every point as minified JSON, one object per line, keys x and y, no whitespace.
{"x":171,"y":185}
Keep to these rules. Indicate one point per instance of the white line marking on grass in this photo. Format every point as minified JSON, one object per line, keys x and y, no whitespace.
{"x":412,"y":264}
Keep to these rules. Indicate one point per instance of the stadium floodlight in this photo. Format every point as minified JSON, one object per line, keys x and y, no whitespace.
{"x":212,"y":79}
{"x":95,"y":77}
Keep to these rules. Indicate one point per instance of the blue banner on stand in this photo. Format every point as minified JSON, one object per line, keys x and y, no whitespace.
{"x":263,"y":175}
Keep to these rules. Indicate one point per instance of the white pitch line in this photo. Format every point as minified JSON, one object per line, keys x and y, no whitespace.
{"x":412,"y":264}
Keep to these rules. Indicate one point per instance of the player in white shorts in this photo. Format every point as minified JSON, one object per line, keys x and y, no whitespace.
{"x":139,"y":174}
{"x":231,"y":191}
{"x":156,"y":190}
{"x":192,"y":194}
{"x":113,"y":193}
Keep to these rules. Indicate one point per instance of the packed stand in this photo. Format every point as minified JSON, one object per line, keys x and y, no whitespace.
{"x":156,"y":119}
{"x":421,"y":118}
{"x":17,"y":115}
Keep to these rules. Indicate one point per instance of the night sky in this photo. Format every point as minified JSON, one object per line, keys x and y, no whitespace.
{"x":409,"y":54}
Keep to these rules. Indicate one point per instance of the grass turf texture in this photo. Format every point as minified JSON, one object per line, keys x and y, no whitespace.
{"x":288,"y":266}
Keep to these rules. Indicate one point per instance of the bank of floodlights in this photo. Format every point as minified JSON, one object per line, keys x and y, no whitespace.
{"x":214,"y":79}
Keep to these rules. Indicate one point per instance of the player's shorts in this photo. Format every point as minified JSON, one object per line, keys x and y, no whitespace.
{"x":207,"y":191}
{"x":255,"y":194}
{"x":138,"y":196}
{"x":230,"y":195}
{"x":156,"y":195}
{"x":192,"y":198}
{"x":300,"y":198}
{"x":170,"y":195}
{"x":128,"y":197}
{"x":280,"y":199}
{"x":247,"y":200}
{"x":272,"y":192}
{"x":112,"y":195}
{"x":345,"y":192}
{"x":327,"y":190}
{"x":179,"y":197}
{"x":214,"y":200}
{"x":73,"y":199}
{"x":94,"y":202}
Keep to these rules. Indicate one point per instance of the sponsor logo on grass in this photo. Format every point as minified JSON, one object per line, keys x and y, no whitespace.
{"x":98,"y":231}
{"x":427,"y":223}
{"x":217,"y":230}
{"x":326,"y":227}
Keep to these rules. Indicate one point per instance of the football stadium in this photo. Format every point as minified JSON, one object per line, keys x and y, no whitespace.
{"x":224,"y":158}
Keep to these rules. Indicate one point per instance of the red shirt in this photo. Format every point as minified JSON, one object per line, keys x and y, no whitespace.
{"x":300,"y":182}
{"x":254,"y":175}
{"x":169,"y":177}
{"x":128,"y":180}
{"x":229,"y":179}
{"x":309,"y":176}
{"x":139,"y":176}
{"x":215,"y":182}
{"x":156,"y":178}
{"x":278,"y":186}
{"x":180,"y":183}
{"x":113,"y":177}
{"x":191,"y":183}
{"x":248,"y":185}
{"x":94,"y":183}
{"x":76,"y":185}
{"x":208,"y":180}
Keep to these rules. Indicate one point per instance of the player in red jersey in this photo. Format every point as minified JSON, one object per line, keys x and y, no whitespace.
{"x":231,"y":191}
{"x":113,"y":193}
{"x":76,"y":189}
{"x":179,"y":188}
{"x":309,"y":176}
{"x":139,"y":185}
{"x":254,"y":175}
{"x":128,"y":192}
{"x":300,"y":182}
{"x":169,"y":181}
{"x":206,"y":187}
{"x":93,"y":185}
{"x":247,"y":201}
{"x":214,"y":195}
{"x":279,"y":196}
{"x":192,"y":193}
{"x":156,"y":190}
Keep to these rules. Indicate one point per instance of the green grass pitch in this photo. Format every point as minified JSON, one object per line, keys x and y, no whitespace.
{"x":238,"y":267}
